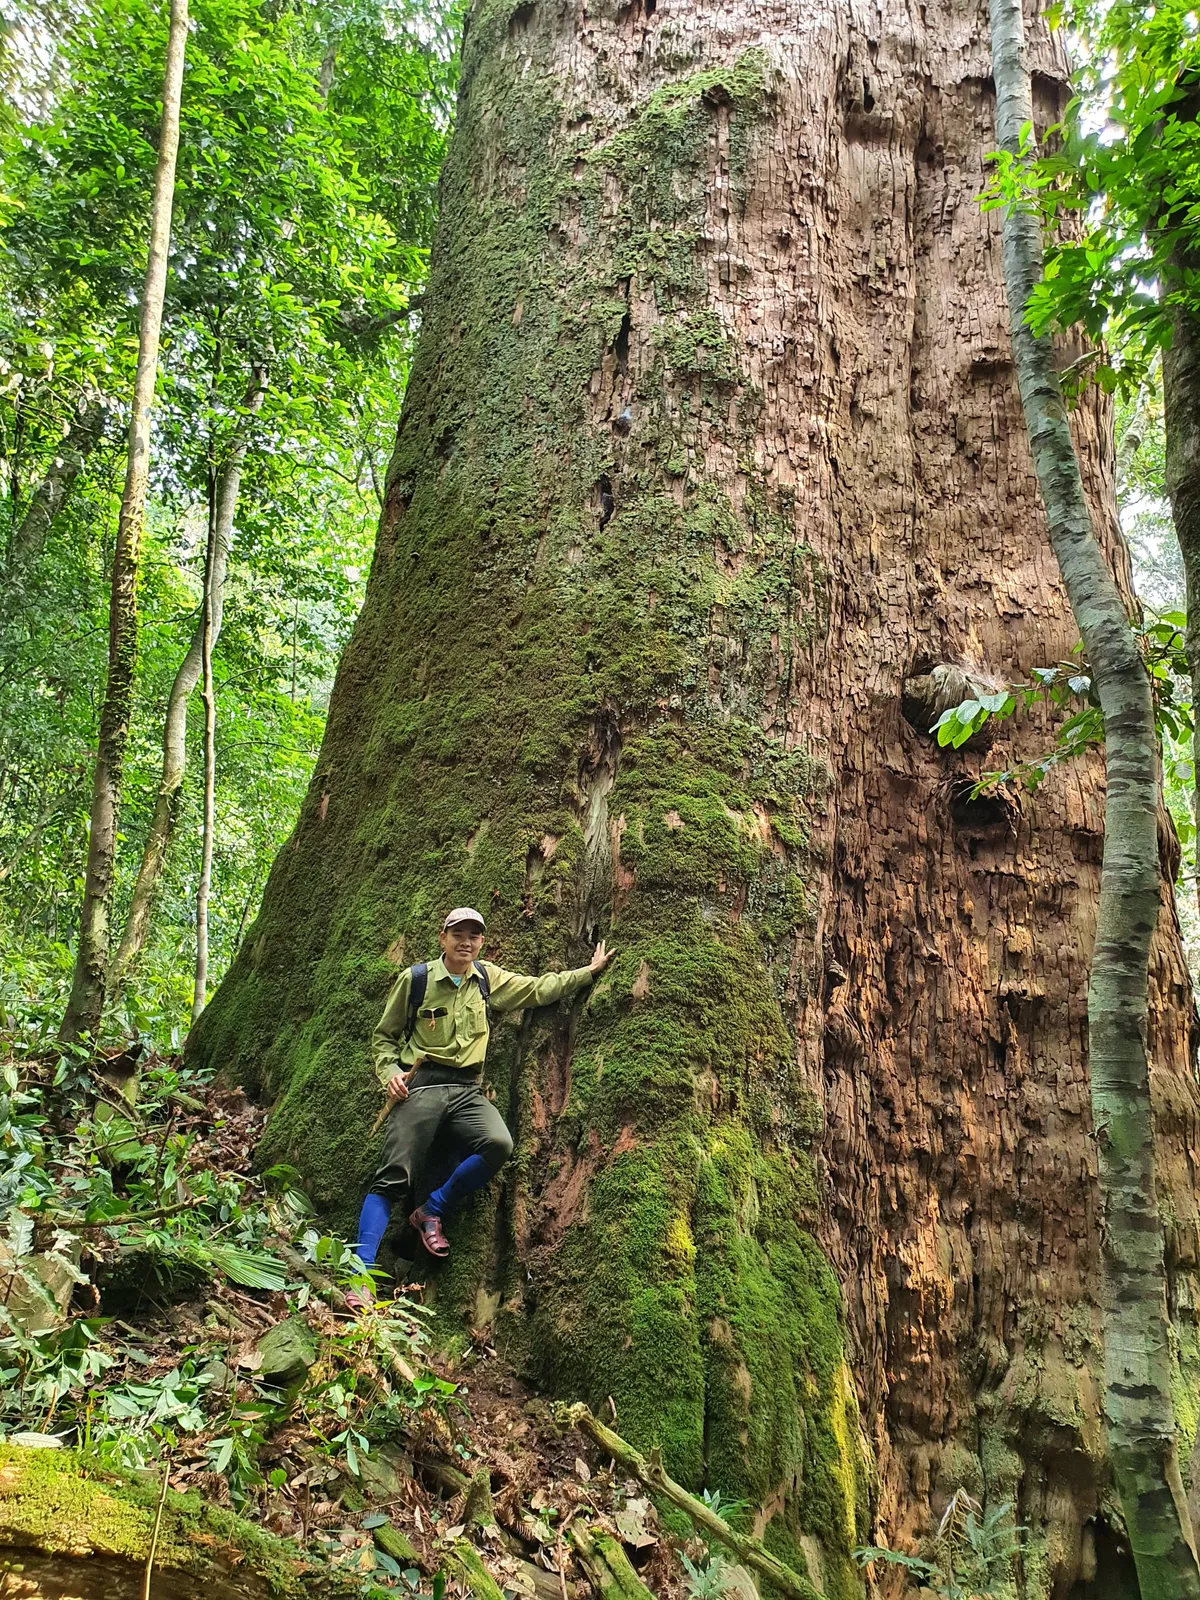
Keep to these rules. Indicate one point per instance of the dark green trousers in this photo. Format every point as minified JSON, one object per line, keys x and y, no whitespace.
{"x":446,"y":1118}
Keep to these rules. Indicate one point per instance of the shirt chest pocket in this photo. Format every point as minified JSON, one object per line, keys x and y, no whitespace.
{"x":472,"y":1015}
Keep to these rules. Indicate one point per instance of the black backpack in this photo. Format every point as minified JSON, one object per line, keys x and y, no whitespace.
{"x":418,"y":982}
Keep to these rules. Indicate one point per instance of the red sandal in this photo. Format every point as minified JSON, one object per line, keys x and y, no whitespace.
{"x":429,"y":1228}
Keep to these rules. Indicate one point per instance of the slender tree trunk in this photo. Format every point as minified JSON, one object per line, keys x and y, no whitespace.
{"x":1142,"y":1433}
{"x":170,"y":788}
{"x":1181,"y":414}
{"x":207,"y":634}
{"x":712,"y":443}
{"x":85,"y":432}
{"x":86,"y":1001}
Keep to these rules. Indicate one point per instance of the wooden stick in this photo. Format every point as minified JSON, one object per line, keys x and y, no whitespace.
{"x":162,"y":1500}
{"x":653,"y":1476}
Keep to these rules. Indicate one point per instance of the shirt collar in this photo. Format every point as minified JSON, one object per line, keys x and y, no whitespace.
{"x":437,"y":971}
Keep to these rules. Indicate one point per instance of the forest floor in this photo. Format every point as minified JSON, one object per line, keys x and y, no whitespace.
{"x":168,"y":1310}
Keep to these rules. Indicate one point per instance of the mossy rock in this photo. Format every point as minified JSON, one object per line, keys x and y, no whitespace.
{"x":288,"y":1350}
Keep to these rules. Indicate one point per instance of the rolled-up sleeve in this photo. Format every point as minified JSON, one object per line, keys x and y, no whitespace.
{"x":513,"y":991}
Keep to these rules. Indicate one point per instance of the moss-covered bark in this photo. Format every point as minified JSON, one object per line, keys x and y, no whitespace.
{"x":69,"y":1528}
{"x":708,"y":446}
{"x":526,"y":720}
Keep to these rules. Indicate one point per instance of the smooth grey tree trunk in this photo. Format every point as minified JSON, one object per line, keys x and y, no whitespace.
{"x":91,"y":963}
{"x":1137,"y":1356}
{"x":207,"y":635}
{"x":1181,"y":413}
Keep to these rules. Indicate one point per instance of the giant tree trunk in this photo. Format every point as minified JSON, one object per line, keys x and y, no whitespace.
{"x":1141,"y":1429}
{"x":86,"y":1001}
{"x":712,"y":441}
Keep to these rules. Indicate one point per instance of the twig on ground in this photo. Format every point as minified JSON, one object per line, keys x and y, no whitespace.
{"x":162,"y":1500}
{"x":126,"y":1219}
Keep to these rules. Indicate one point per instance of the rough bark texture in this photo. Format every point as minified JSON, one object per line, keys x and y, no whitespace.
{"x":1141,"y":1429}
{"x":86,"y":1000}
{"x":712,"y":439}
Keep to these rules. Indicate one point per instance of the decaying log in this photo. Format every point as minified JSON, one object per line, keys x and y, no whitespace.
{"x":607,"y":1565}
{"x":67,"y":1530}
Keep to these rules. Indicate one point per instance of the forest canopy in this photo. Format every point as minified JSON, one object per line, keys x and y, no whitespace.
{"x":309,"y":150}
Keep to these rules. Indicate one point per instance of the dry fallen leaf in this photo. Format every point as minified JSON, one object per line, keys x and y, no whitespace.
{"x":582,"y":1470}
{"x":454,"y":1532}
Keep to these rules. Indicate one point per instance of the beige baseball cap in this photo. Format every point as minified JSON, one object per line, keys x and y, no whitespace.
{"x":462,"y":914}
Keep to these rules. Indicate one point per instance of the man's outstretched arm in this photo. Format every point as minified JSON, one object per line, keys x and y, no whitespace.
{"x":514,"y":991}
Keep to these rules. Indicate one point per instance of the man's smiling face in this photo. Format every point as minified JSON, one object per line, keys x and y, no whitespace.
{"x":461,"y":945}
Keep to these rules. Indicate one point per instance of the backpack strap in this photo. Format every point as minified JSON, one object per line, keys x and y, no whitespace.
{"x":485,"y":988}
{"x":418,"y":982}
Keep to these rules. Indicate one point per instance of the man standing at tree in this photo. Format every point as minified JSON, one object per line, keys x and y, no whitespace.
{"x":429,"y":1050}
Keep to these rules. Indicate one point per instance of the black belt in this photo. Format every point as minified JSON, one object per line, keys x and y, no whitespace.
{"x":432,"y":1074}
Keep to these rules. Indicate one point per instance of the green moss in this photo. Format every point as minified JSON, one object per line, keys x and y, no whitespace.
{"x":54,"y":1500}
{"x":1185,"y":1382}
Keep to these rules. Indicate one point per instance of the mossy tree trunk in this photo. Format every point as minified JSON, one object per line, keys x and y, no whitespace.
{"x":712,"y":440}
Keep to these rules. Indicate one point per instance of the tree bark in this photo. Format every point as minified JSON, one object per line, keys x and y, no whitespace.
{"x":713,"y":440}
{"x":174,"y":768}
{"x":1181,"y":416}
{"x":86,"y":1000}
{"x":1142,"y":1435}
{"x":208,"y":697}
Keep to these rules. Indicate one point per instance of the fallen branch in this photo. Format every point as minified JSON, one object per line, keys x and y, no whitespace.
{"x":463,"y":1555}
{"x":126,"y":1219}
{"x":606,"y":1564}
{"x":652,"y":1475}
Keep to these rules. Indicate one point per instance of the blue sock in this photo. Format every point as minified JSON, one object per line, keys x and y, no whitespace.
{"x":467,"y":1176}
{"x":372,"y":1224}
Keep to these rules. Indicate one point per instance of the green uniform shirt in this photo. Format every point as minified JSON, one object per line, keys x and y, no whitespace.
{"x":459,"y":1038}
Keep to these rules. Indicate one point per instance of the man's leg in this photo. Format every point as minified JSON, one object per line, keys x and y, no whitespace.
{"x":409,"y":1130}
{"x":475,"y":1124}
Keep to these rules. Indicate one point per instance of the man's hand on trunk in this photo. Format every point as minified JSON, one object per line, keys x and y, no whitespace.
{"x":600,"y":959}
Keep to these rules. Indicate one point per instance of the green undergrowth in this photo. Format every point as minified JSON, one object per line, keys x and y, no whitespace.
{"x":559,"y":706}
